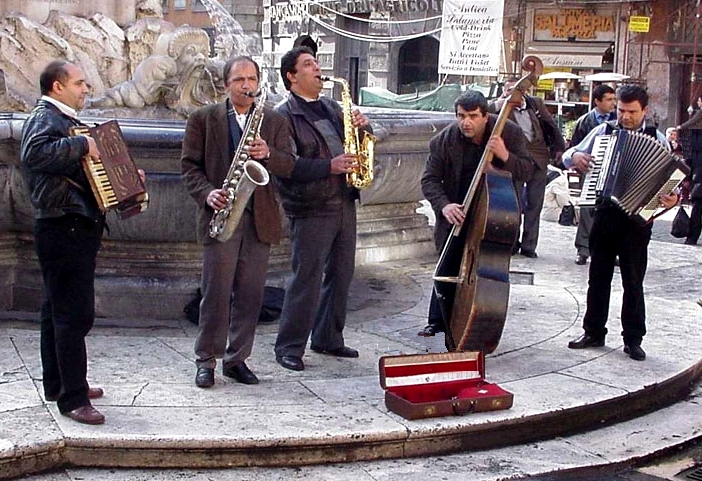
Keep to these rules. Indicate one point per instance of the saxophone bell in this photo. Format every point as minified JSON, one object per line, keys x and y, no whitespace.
{"x":363,"y":147}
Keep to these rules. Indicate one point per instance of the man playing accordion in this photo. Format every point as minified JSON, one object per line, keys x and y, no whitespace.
{"x":615,"y":234}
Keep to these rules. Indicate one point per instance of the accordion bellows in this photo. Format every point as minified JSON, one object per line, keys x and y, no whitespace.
{"x":631,"y":170}
{"x":114,"y":178}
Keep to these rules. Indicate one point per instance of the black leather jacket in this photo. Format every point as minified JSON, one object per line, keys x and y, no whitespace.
{"x":50,"y":160}
{"x":311,"y":189}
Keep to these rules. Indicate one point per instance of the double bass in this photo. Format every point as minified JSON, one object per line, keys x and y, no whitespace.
{"x":471,"y":279}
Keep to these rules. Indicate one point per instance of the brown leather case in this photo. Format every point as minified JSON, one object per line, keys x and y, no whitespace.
{"x":435,"y":385}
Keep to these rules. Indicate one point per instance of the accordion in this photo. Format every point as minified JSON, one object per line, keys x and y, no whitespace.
{"x":631,"y":170}
{"x":114,"y":178}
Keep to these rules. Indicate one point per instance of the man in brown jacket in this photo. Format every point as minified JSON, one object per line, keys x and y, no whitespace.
{"x":234,"y":271}
{"x":544,"y":143}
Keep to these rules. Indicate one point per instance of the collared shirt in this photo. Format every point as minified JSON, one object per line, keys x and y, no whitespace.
{"x":521,"y":115}
{"x":241,"y":120}
{"x":65,"y":109}
{"x":587,"y":143}
{"x":600,"y":117}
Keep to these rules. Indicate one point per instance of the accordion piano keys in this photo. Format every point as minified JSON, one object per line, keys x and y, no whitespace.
{"x":102,"y":186}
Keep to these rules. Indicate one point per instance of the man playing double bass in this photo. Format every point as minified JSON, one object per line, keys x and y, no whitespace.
{"x":454,"y":156}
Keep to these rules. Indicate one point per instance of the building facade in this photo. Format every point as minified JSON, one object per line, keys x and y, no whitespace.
{"x":394,"y":44}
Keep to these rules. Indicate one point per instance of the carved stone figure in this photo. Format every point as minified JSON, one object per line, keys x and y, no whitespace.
{"x":149,"y":65}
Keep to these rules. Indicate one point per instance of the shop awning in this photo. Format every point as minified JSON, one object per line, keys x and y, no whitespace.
{"x":572,"y":55}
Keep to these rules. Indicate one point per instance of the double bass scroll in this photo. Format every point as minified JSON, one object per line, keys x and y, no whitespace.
{"x":471,"y":279}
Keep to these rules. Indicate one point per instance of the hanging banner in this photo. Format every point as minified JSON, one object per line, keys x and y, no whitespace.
{"x":471,"y":37}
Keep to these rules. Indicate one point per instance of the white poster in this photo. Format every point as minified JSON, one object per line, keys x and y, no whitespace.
{"x":471,"y":35}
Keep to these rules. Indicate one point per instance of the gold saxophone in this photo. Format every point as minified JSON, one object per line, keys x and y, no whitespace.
{"x":244,"y":175}
{"x":362,"y":174}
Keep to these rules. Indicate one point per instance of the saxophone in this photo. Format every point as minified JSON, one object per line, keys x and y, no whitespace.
{"x":362,"y":174}
{"x":244,"y":175}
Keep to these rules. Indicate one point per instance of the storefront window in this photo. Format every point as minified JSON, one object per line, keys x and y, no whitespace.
{"x":179,"y":4}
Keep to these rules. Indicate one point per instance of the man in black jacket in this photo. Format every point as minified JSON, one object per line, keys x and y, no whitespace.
{"x":322,"y":212}
{"x":454,"y":155}
{"x":614,"y":234}
{"x":68,"y":231}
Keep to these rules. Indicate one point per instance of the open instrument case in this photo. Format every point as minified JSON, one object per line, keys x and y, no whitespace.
{"x":435,"y":385}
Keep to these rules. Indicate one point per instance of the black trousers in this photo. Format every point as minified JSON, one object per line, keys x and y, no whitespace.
{"x":530,"y":195}
{"x":695,"y":230}
{"x":67,"y":247}
{"x":614,"y":234}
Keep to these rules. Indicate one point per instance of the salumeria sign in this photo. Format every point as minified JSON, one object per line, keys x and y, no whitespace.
{"x":470,"y":37}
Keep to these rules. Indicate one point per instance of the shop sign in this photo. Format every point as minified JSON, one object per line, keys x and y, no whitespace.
{"x":572,"y":24}
{"x":570,"y":60}
{"x":639,"y":24}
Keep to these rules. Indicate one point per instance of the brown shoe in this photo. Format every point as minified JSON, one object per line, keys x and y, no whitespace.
{"x":93,"y":393}
{"x":86,"y":415}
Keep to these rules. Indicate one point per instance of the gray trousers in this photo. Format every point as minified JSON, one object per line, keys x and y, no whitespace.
{"x":531,"y":197}
{"x":582,"y":236}
{"x":323,"y":262}
{"x":233,"y":279}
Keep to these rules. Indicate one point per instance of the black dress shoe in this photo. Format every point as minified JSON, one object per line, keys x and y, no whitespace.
{"x":241,"y":372}
{"x":86,"y":415}
{"x":530,"y":254}
{"x":290,"y":362}
{"x":635,"y":352}
{"x":342,"y":351}
{"x":585,"y":341}
{"x":581,"y":260}
{"x":204,"y":377}
{"x":430,"y":330}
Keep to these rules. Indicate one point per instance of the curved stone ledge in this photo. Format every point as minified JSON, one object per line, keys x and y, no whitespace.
{"x":334,"y":410}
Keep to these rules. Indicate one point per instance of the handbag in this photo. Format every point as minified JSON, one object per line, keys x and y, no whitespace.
{"x":567,"y":215}
{"x":681,"y":224}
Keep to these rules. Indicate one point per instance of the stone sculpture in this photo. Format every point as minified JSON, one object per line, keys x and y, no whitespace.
{"x":151,"y":65}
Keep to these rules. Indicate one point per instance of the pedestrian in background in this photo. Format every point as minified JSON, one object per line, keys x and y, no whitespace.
{"x":604,"y":110}
{"x":690,"y":134}
{"x":544,"y":143}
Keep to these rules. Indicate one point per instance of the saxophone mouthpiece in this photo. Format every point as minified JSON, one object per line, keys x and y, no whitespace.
{"x":253,"y":94}
{"x":325,"y":78}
